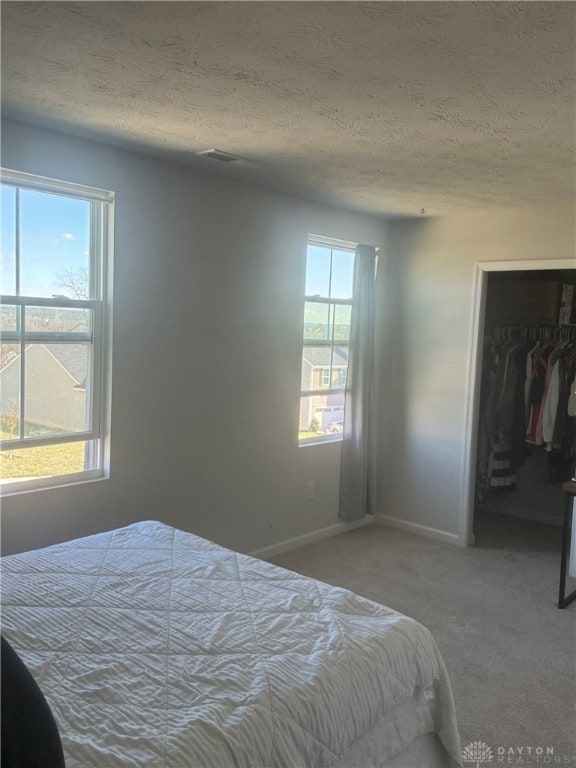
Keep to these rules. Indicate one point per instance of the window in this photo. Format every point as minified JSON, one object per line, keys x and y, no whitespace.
{"x":327,"y":311}
{"x":55,"y":329}
{"x":324,"y":378}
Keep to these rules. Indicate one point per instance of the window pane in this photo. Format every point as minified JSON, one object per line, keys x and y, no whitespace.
{"x":342,"y":275}
{"x":7,"y":240}
{"x":342,"y":322}
{"x":8,"y":353}
{"x":10,"y":391}
{"x":317,"y":271}
{"x":54,"y":245}
{"x":339,"y":367}
{"x":55,"y":391}
{"x":321,"y":416}
{"x":309,"y":423}
{"x":318,"y":320}
{"x":45,"y":461}
{"x":315,"y":364}
{"x":339,"y":376}
{"x":58,"y":320}
{"x":9,"y":317}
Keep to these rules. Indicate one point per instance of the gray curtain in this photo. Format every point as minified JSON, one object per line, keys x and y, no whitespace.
{"x":358,"y":476}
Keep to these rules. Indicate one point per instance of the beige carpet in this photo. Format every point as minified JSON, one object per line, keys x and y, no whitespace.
{"x":509,"y":651}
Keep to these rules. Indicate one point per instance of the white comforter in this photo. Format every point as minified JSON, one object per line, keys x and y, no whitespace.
{"x":156,"y":648}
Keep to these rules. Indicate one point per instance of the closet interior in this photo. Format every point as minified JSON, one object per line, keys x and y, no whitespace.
{"x":527,"y":419}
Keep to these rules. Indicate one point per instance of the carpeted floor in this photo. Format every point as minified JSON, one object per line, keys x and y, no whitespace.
{"x":509,"y":650}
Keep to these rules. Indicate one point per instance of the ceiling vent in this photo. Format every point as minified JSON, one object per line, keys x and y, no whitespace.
{"x":218,"y":154}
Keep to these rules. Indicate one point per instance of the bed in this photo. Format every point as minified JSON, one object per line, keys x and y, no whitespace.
{"x":159,"y":649}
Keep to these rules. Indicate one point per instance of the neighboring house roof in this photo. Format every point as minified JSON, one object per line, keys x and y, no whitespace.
{"x":320,"y":356}
{"x":71,"y":357}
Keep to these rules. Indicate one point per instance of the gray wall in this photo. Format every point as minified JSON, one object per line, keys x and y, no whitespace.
{"x":426,"y":293}
{"x":209,"y":280}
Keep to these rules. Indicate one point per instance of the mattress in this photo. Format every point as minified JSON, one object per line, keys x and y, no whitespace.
{"x":158,"y":648}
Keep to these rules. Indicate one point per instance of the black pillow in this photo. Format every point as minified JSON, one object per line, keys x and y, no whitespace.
{"x":30,"y":737}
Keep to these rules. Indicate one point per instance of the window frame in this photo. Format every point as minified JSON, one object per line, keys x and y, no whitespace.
{"x":333,"y":245}
{"x":98,"y":337}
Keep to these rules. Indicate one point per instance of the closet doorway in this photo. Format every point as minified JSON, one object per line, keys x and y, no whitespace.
{"x":508,"y":303}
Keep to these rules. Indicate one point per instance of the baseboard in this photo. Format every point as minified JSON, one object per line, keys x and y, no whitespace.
{"x":310,"y":538}
{"x":420,"y":530}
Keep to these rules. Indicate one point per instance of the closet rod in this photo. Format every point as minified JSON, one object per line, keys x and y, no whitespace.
{"x":490,"y":323}
{"x":534,"y":331}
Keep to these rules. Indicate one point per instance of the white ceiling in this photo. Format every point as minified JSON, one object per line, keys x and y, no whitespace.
{"x":387,"y":107}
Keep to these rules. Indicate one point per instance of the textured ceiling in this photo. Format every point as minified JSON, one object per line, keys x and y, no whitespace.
{"x":388,"y":107}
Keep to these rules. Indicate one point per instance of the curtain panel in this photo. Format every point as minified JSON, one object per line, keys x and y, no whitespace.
{"x":358,"y":469}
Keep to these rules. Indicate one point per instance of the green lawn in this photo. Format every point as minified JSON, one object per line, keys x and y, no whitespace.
{"x":41,"y":462}
{"x":308,"y":435}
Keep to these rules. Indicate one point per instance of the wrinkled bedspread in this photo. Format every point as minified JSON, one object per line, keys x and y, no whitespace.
{"x":157,"y":648}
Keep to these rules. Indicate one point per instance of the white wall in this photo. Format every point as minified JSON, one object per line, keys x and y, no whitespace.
{"x":207,"y":325}
{"x":426,"y":291}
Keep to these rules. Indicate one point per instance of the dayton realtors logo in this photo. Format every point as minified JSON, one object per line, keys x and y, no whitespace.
{"x":479,"y":754}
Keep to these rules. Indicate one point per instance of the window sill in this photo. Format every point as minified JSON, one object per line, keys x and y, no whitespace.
{"x":323,"y":440}
{"x":34,"y":484}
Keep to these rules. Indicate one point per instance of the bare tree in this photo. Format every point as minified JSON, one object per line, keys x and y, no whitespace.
{"x":75,"y":282}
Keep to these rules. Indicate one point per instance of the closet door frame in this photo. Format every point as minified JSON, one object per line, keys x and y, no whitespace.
{"x":480,"y":290}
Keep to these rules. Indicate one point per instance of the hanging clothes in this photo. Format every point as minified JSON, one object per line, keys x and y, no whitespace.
{"x":527,"y":376}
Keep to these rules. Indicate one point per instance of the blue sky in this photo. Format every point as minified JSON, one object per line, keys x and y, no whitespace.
{"x":318,"y":273}
{"x":54,"y":238}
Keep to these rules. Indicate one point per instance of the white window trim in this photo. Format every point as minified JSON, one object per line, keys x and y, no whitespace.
{"x":101,"y":279}
{"x":331,"y":242}
{"x":334,"y":244}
